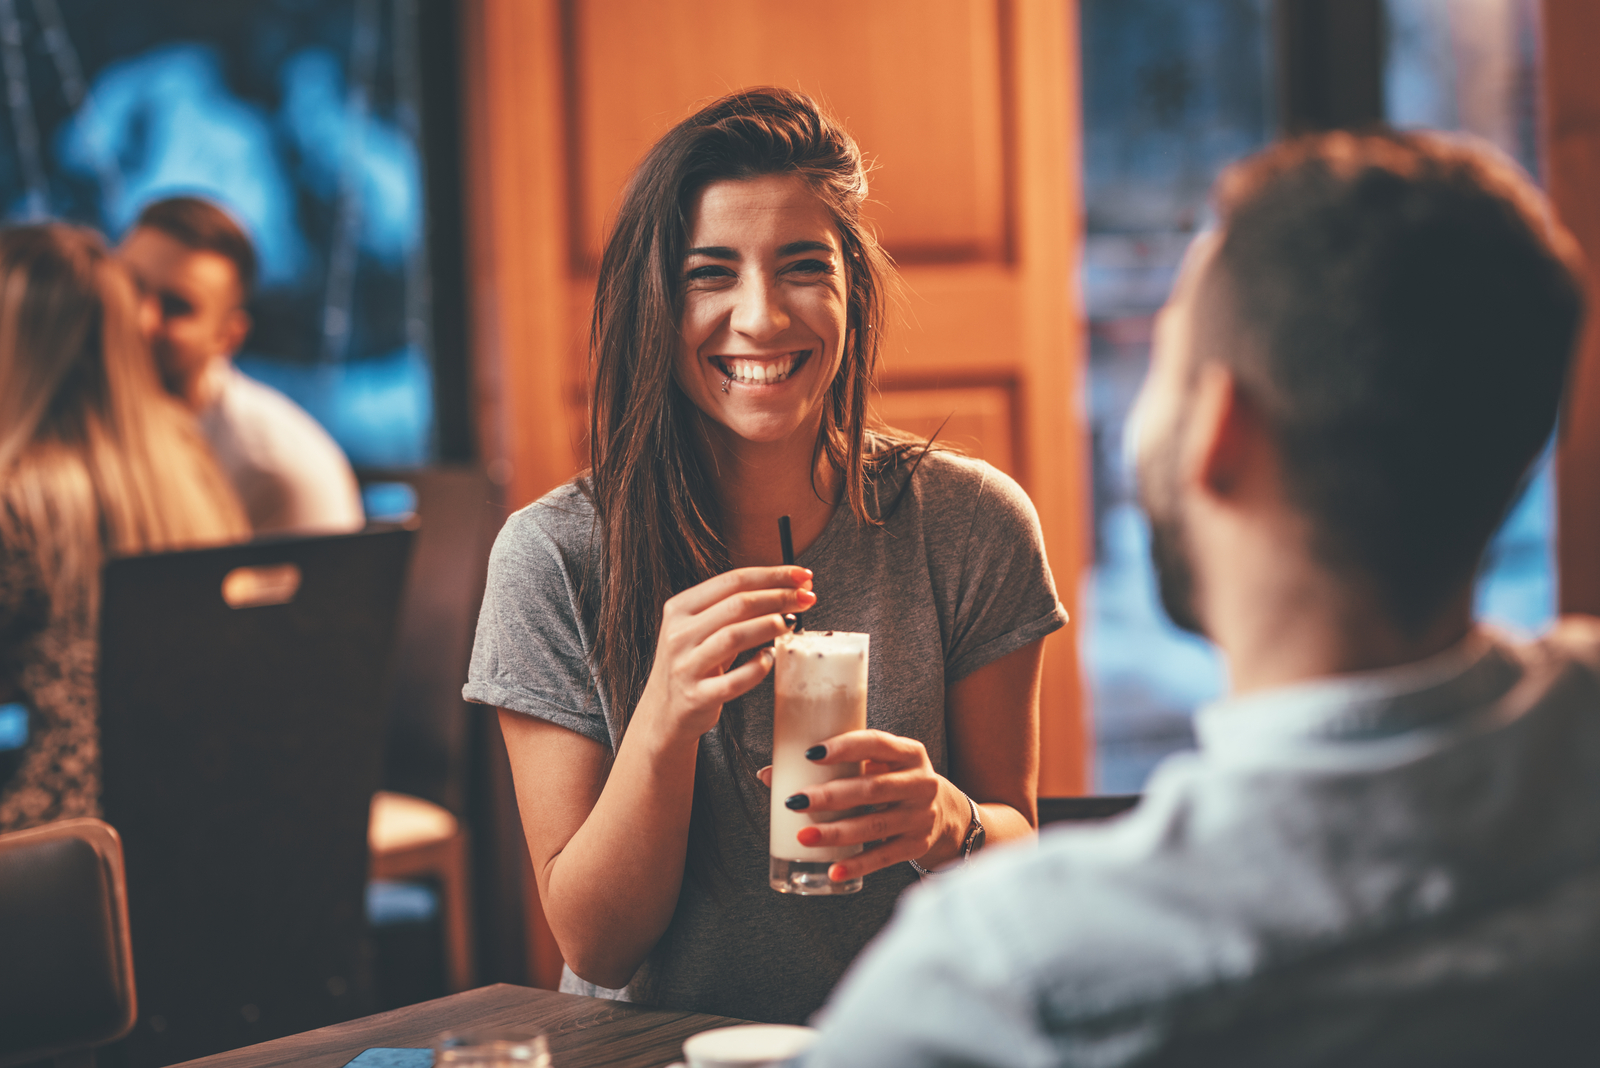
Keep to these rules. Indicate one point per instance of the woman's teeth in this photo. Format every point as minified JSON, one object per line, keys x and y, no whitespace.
{"x":760,"y":372}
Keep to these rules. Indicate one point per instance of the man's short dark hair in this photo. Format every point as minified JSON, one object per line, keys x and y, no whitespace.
{"x":203,"y":226}
{"x":1404,"y":310}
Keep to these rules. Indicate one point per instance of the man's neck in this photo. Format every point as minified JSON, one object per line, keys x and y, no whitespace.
{"x":1286,"y":618}
{"x":202,"y":391}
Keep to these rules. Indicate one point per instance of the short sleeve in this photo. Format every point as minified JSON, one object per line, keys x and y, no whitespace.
{"x":1006,"y":598}
{"x":530,"y":654}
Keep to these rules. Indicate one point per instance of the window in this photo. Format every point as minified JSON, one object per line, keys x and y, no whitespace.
{"x":302,"y":119}
{"x":1173,"y":91}
{"x":1472,"y":66}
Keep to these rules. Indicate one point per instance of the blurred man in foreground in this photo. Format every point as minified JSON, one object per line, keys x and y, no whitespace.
{"x":196,"y":267}
{"x":1387,"y":849}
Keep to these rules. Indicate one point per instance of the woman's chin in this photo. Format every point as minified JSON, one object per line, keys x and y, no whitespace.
{"x":756,"y":429}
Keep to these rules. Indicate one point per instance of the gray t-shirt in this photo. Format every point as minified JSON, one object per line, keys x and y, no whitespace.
{"x":955,"y":579}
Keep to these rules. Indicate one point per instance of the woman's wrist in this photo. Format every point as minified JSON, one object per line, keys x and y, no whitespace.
{"x":663,"y":736}
{"x":955,"y":812}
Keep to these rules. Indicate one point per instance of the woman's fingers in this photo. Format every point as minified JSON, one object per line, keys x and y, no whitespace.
{"x":718,"y":652}
{"x":898,"y":821}
{"x":720,"y":689}
{"x":879,"y":746}
{"x":915,"y":787}
{"x":895,"y":851}
{"x":895,"y":801}
{"x":748,"y":604}
{"x":697,"y":599}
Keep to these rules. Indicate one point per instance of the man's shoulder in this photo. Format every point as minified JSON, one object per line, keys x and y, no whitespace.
{"x":268,"y":419}
{"x":1085,"y":918}
{"x":1065,"y":943}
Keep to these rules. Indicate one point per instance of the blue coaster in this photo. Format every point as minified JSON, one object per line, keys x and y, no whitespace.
{"x":379,"y":1057}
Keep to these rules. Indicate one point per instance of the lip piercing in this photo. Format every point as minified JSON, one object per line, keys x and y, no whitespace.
{"x":725,"y":382}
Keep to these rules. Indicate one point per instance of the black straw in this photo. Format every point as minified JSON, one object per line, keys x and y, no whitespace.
{"x":786,"y":539}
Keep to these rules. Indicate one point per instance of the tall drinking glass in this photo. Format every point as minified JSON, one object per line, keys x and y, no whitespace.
{"x":820,"y":683}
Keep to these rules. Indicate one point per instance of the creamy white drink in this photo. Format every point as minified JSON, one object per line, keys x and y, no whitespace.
{"x":820,"y":683}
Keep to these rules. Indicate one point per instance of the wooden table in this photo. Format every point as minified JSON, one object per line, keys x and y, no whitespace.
{"x":583,"y":1031}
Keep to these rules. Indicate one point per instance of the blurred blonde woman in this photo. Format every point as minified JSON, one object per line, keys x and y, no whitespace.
{"x":95,"y":461}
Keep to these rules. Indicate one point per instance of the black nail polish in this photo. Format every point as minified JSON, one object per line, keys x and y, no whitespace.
{"x":816,"y":752}
{"x":797,"y":802}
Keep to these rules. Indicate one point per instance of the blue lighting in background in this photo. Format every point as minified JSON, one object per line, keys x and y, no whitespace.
{"x":13,"y":727}
{"x":168,"y":121}
{"x":301,"y":121}
{"x":389,"y":502}
{"x":391,"y":903}
{"x":1517,"y":585}
{"x":315,"y":118}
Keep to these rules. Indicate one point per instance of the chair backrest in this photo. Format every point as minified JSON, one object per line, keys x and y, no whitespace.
{"x":1078,"y":809}
{"x":458,"y":513}
{"x":66,"y":965}
{"x":241,"y":746}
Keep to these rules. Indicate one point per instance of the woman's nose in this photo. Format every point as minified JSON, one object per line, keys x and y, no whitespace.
{"x":759,"y":311}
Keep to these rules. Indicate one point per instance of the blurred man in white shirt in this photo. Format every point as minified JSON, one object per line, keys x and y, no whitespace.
{"x":197,"y":267}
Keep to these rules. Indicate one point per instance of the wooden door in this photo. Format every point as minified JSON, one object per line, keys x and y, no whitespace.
{"x":969,"y":109}
{"x":1571,"y":104}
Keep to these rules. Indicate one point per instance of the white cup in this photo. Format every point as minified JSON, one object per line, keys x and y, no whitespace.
{"x":749,"y":1046}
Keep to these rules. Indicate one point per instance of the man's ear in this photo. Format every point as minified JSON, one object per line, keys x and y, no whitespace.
{"x":1227,"y":433}
{"x":235,"y":330}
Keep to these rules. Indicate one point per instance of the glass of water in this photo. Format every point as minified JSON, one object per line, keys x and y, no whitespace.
{"x":492,"y":1049}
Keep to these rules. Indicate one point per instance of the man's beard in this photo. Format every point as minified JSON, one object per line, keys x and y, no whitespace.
{"x":1169,"y":536}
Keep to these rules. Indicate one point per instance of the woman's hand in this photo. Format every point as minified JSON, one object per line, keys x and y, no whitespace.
{"x":915,"y":809}
{"x":703,"y":630}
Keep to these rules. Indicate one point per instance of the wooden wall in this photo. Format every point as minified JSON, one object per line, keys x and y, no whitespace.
{"x":969,"y":109}
{"x":1571,"y":98}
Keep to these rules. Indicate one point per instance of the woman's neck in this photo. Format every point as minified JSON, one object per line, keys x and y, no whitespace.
{"x":759,"y":481}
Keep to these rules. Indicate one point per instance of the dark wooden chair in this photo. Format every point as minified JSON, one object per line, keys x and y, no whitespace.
{"x":448,"y":752}
{"x":66,"y":964}
{"x":420,"y":828}
{"x":1077,"y":809}
{"x":242,"y":723}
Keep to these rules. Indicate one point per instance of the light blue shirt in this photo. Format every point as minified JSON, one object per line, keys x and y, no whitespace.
{"x":1401,"y":864}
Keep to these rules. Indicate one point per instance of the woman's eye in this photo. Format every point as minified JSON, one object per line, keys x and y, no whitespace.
{"x":810,"y":267}
{"x":708,"y":272}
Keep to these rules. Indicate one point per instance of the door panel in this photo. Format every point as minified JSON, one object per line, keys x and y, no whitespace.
{"x":978,"y":419}
{"x":917,"y":83}
{"x":1571,"y":100}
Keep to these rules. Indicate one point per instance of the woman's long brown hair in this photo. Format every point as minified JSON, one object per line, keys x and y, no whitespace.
{"x":659,"y":524}
{"x":95,"y":457}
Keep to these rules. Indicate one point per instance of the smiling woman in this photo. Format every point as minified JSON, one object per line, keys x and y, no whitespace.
{"x":627,"y":619}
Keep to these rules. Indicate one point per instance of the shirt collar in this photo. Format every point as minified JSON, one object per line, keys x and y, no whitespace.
{"x":214,"y":382}
{"x":1363,"y":705}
